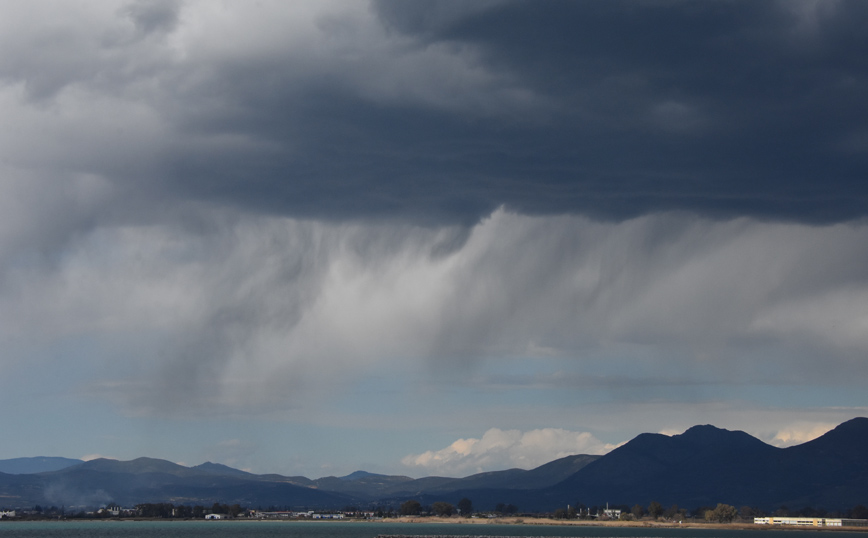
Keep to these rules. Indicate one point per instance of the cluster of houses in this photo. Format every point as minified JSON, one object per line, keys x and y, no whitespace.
{"x":115,"y":510}
{"x":605,"y":513}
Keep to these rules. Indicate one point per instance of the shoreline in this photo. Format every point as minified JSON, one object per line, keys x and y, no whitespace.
{"x":622,"y":524}
{"x":508,"y":521}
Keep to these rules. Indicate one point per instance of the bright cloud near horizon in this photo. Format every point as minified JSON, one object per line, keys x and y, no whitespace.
{"x":499,"y":449}
{"x":429,"y":237}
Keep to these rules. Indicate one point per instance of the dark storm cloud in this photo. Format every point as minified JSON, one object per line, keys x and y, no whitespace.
{"x":720,"y":107}
{"x":440,"y":112}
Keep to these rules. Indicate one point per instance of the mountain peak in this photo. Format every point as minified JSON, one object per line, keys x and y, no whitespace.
{"x":218,"y":469}
{"x":854,"y":425}
{"x":704,"y":428}
{"x":356,"y":475}
{"x":712,"y":435}
{"x":847,"y":441}
{"x":359,"y":475}
{"x":136,"y":466}
{"x":707,"y":431}
{"x":704,"y":433}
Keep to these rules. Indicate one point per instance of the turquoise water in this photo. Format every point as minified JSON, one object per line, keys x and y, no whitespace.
{"x":295,"y":529}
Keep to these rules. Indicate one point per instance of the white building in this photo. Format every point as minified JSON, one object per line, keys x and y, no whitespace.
{"x":799,"y":521}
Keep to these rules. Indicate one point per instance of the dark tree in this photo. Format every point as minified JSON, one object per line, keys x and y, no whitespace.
{"x":442,"y":509}
{"x":234,"y":510}
{"x":723,"y":513}
{"x":859,"y":512}
{"x":410,"y":508}
{"x":637,"y":511}
{"x":655,"y":509}
{"x":154,"y":510}
{"x":465,"y":507}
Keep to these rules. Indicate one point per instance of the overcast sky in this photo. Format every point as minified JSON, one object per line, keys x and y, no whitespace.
{"x":433,"y":237}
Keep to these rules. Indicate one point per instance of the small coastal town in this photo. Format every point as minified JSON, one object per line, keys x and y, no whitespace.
{"x":440,"y":512}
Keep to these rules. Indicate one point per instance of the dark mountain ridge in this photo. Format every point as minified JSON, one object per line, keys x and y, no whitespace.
{"x":701,"y":467}
{"x":39,"y":464}
{"x":706,"y":465}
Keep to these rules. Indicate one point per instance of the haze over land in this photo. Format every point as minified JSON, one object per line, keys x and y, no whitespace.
{"x":430,"y":237}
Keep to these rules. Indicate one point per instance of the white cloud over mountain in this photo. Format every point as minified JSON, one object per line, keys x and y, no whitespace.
{"x":504,"y":449}
{"x":800,"y":432}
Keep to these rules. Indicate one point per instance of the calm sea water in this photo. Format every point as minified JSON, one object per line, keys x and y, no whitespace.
{"x":322,"y":529}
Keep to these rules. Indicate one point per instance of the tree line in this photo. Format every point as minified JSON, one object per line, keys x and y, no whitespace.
{"x":439,"y":508}
{"x":167,"y":510}
{"x":721,"y":513}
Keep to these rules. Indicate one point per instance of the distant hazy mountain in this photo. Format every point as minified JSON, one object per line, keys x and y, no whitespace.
{"x":152,"y":480}
{"x":486,"y":490}
{"x":361,"y":485}
{"x":546,"y":475}
{"x":359,"y":475}
{"x":143,"y":480}
{"x":136,"y":466}
{"x":35,"y":465}
{"x":701,"y":467}
{"x":219,"y":469}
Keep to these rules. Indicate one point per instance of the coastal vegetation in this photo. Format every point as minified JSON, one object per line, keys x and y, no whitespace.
{"x":439,"y":511}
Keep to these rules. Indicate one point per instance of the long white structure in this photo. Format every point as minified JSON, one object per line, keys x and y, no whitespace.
{"x":800,"y":521}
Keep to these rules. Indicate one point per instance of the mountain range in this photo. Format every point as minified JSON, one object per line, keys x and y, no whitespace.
{"x":701,"y":467}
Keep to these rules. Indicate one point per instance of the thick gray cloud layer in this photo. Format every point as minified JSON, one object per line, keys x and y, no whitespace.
{"x":435,"y":110}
